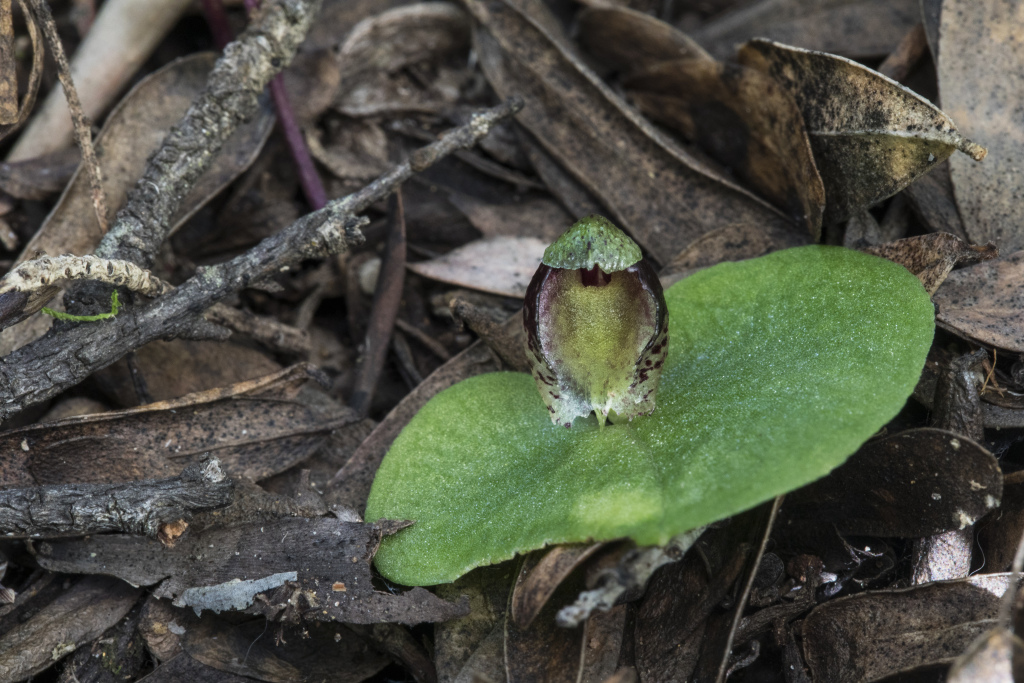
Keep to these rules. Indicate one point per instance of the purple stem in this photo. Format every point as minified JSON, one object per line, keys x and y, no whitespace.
{"x":312,"y":187}
{"x":217,"y":20}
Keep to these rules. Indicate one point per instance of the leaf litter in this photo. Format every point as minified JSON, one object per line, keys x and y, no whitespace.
{"x":731,"y":175}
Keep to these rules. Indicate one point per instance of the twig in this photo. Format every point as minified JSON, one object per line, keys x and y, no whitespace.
{"x":67,"y":355}
{"x":264,"y":330}
{"x":135,"y":507}
{"x":386,"y":301}
{"x":83,"y":134}
{"x":633,"y":572}
{"x":231,"y":97}
{"x":434,"y":346}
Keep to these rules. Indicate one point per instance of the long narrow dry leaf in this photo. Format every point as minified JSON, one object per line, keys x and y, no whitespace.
{"x":871,"y":136}
{"x":981,"y":82}
{"x":662,"y":195}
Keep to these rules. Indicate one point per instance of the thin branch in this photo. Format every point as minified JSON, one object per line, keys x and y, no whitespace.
{"x":83,"y":133}
{"x":138,"y":507}
{"x":386,"y":301}
{"x":67,"y":355}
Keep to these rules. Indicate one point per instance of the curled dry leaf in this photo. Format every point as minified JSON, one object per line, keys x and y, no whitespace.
{"x":868,"y":636}
{"x":41,"y":177}
{"x":981,"y":82}
{"x":932,"y":257}
{"x":986,"y":302}
{"x":853,"y":28}
{"x":743,"y":119}
{"x":916,"y":483}
{"x":256,"y":429}
{"x":871,"y":136}
{"x":999,"y":536}
{"x":14,"y":115}
{"x":457,"y":643}
{"x":498,"y":265}
{"x":662,"y":195}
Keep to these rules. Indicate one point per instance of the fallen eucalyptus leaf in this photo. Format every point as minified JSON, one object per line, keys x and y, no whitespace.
{"x":540,"y":218}
{"x":256,"y":429}
{"x":986,"y":302}
{"x":981,"y":82}
{"x":871,"y":136}
{"x":759,"y":348}
{"x":498,"y":265}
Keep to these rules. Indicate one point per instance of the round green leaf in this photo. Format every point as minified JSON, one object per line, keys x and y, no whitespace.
{"x":778,"y":369}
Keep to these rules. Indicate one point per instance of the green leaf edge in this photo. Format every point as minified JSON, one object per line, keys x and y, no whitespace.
{"x":917,"y":304}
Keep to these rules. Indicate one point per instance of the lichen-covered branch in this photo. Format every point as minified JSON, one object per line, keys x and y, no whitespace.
{"x":69,"y":353}
{"x":230,"y":98}
{"x":134,"y":508}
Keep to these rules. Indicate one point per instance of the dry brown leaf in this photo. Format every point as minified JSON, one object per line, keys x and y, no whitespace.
{"x":132,"y":132}
{"x":41,"y":177}
{"x":981,"y":82}
{"x":741,"y":118}
{"x":357,"y":149}
{"x":871,"y":136}
{"x":498,"y":265}
{"x":181,"y":366}
{"x":865,"y":637}
{"x":654,"y":189}
{"x":986,"y":302}
{"x":256,"y":429}
{"x":853,"y":28}
{"x":631,"y":41}
{"x":989,"y":659}
{"x":932,"y":257}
